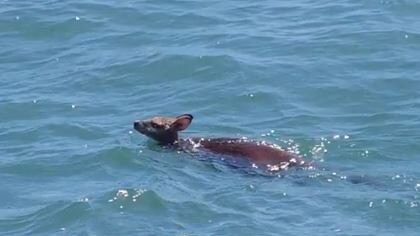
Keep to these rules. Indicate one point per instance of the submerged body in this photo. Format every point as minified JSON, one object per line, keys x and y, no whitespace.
{"x":259,"y":154}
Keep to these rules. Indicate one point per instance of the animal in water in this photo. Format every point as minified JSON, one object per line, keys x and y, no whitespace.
{"x":262,"y":155}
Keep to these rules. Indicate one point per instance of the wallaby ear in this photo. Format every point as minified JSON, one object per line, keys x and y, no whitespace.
{"x":182,"y":122}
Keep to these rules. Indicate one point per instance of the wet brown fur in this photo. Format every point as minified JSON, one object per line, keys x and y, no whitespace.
{"x":165,"y":131}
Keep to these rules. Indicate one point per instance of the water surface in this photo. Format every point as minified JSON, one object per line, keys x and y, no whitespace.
{"x":336,"y":81}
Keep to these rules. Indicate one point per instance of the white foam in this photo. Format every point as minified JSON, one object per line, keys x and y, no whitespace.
{"x":122,"y":193}
{"x":273,"y":167}
{"x":85,"y":199}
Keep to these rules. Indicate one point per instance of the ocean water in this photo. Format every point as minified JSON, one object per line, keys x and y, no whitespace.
{"x":336,"y":81}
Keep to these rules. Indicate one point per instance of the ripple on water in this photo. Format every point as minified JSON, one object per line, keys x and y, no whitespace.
{"x":137,"y":200}
{"x":48,"y":219}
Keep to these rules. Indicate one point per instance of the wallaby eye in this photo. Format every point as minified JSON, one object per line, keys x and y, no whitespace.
{"x":156,"y":126}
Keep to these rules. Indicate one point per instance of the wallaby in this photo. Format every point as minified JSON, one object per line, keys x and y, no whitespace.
{"x":258,"y":154}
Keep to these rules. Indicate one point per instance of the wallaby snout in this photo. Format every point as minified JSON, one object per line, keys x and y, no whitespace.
{"x":137,"y":125}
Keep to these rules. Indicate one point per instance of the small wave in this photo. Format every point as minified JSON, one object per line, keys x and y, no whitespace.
{"x":135,"y":200}
{"x":47,"y":219}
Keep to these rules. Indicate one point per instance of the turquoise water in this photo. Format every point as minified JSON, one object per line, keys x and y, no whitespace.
{"x":337,"y":81}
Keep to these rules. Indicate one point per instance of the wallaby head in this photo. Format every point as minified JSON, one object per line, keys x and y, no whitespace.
{"x":163,"y":129}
